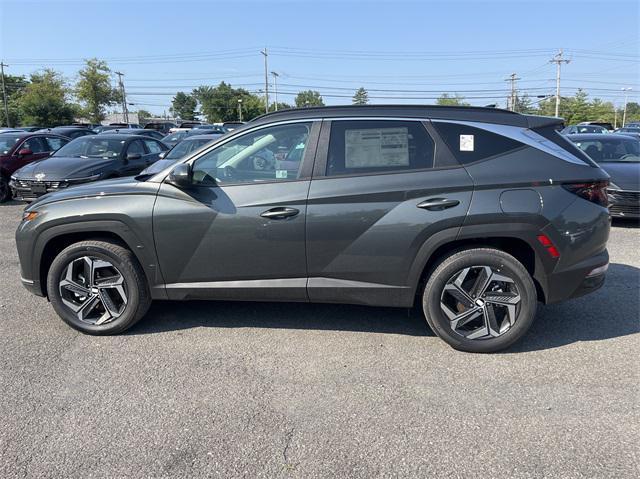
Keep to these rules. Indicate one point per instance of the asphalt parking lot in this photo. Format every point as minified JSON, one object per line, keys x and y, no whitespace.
{"x":292,"y":390}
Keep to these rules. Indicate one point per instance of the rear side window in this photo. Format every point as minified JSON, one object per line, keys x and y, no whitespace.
{"x":470,"y":144}
{"x":378,"y":146}
{"x":56,"y":143}
{"x":153,"y":146}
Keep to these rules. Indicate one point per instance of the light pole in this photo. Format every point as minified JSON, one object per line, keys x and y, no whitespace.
{"x":239,"y":109}
{"x":624,"y":111}
{"x":275,"y":87}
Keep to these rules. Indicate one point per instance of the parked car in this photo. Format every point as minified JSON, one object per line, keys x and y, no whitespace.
{"x":71,"y":132}
{"x":604,"y":124}
{"x":21,"y":148}
{"x":135,"y":131}
{"x":185,"y":125}
{"x":163,"y":127}
{"x":31,"y":128}
{"x":86,"y":159}
{"x":629,"y":131}
{"x":232,"y":125}
{"x":172,"y":138}
{"x":180,"y":150}
{"x":569,"y":130}
{"x":619,"y":156}
{"x":473,"y":213}
{"x":116,"y":126}
{"x":11,"y":130}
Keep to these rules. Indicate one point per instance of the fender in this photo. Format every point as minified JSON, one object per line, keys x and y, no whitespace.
{"x":145,"y":255}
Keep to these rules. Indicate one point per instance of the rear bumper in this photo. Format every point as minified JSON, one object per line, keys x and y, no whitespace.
{"x":577,"y":281}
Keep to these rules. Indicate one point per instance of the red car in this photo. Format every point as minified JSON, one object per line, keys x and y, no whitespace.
{"x":20,"y":149}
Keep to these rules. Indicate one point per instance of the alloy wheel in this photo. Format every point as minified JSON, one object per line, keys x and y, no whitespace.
{"x":94,"y":290}
{"x":480,"y":302}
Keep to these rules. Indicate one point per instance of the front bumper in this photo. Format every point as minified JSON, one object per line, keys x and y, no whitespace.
{"x":31,"y":190}
{"x":624,"y":203}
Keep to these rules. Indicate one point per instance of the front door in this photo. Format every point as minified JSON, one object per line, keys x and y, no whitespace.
{"x":239,"y":231}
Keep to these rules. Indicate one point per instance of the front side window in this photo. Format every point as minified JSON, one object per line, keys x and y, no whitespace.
{"x":36,"y":145}
{"x":470,"y":144}
{"x":266,"y":155}
{"x":371,"y":146}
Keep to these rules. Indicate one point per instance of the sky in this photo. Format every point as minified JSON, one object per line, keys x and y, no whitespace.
{"x":401,"y":52}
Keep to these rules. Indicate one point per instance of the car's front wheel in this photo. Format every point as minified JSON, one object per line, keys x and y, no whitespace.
{"x":98,"y":287}
{"x":480,"y":300}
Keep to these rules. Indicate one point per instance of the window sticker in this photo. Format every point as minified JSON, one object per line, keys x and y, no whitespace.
{"x":281,"y":173}
{"x":376,"y":147}
{"x":466,"y":142}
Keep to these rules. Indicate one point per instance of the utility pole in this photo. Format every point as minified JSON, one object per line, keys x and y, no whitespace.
{"x":239,"y":109}
{"x":624,"y":111}
{"x":4,"y":93}
{"x":266,"y":80}
{"x":275,"y":87}
{"x":513,"y":78}
{"x":125,"y":111}
{"x":558,"y":60}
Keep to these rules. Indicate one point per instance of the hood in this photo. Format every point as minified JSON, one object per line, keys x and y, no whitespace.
{"x":117,"y":186}
{"x":623,"y":174}
{"x":61,"y":168}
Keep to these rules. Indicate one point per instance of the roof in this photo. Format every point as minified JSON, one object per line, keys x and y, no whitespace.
{"x":461,"y":113}
{"x":598,"y":136}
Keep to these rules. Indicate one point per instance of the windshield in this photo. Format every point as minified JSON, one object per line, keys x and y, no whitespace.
{"x":174,"y":137}
{"x":611,"y":150}
{"x":185,"y":147}
{"x":92,"y":147}
{"x":7,"y":142}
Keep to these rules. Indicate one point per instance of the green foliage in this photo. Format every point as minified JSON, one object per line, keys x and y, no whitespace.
{"x":94,"y":89}
{"x":308,"y":98}
{"x":361,"y":97}
{"x":184,"y":106}
{"x":143,"y":116}
{"x":14,"y":85}
{"x":44,"y":101}
{"x":524,"y":105}
{"x":219,"y":104}
{"x":448,"y":100}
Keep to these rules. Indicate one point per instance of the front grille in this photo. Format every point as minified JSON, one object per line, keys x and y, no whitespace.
{"x":626,"y":196}
{"x":50,"y":185}
{"x":625,"y":210}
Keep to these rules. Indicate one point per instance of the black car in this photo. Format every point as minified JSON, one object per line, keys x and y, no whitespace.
{"x":86,"y":159}
{"x":619,"y":156}
{"x":71,"y":132}
{"x":629,"y":131}
{"x":173,"y":138}
{"x":472,"y":214}
{"x":134,"y":131}
{"x":163,"y":127}
{"x":180,"y":150}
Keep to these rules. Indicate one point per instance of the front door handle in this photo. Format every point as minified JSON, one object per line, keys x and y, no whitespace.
{"x":280,"y":213}
{"x":438,"y":204}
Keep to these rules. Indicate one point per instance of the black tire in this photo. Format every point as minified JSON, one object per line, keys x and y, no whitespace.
{"x":498,"y":261}
{"x":5,"y":190}
{"x":127,"y":265}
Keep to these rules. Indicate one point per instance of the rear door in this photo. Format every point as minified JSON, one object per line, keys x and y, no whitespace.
{"x":154,"y":148}
{"x":381,"y":189}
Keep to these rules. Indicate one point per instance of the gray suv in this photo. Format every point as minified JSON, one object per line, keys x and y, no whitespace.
{"x":475,"y":214}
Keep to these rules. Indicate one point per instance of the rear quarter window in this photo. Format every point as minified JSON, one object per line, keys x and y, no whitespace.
{"x":470,"y":144}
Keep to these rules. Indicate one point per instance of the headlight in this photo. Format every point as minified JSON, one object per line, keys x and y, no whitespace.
{"x":29,"y":215}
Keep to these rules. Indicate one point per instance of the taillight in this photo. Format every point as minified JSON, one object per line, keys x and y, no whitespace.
{"x":549,"y":246}
{"x":595,"y":191}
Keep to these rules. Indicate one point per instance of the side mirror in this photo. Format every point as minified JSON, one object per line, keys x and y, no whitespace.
{"x":162,"y":154}
{"x":133,"y":156}
{"x":180,"y":176}
{"x":25,"y":152}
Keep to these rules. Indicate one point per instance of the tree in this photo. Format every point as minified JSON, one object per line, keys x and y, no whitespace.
{"x":361,"y":97}
{"x":184,"y":106}
{"x":14,"y":85}
{"x":455,"y":100}
{"x":94,"y":89}
{"x":44,"y":101}
{"x":523,"y":104}
{"x":143,"y":116}
{"x":220,"y":103}
{"x":308,"y":98}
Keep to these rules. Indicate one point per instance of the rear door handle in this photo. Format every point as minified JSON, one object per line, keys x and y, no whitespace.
{"x":280,"y":213}
{"x":438,"y":204}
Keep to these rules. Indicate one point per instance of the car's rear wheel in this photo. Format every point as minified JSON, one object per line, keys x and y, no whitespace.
{"x":98,"y":287}
{"x":480,"y":300}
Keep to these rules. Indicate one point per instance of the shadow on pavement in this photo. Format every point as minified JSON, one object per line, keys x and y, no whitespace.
{"x":611,"y":312}
{"x":625,"y":222}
